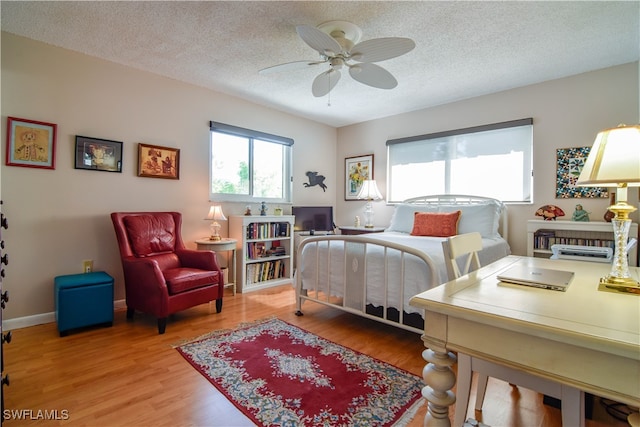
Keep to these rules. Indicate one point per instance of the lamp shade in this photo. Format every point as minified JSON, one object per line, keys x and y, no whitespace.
{"x":614,"y":159}
{"x":369,"y":191}
{"x":216,"y":214}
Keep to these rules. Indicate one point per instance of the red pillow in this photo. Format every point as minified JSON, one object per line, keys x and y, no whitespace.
{"x":435,"y":224}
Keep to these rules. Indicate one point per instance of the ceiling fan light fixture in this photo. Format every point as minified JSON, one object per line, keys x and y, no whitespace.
{"x":344,"y":29}
{"x":337,"y":63}
{"x":344,"y":42}
{"x":335,"y":41}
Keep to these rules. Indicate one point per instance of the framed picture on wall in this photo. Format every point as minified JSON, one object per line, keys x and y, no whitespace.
{"x":155,"y":161}
{"x":356,"y":171}
{"x":31,"y":144}
{"x":570,"y":162}
{"x":98,"y":154}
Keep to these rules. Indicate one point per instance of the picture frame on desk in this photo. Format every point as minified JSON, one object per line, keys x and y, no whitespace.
{"x":30,"y":143}
{"x":98,"y":154}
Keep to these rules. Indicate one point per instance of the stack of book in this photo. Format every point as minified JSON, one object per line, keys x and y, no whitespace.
{"x":276,"y":251}
{"x":263,"y":271}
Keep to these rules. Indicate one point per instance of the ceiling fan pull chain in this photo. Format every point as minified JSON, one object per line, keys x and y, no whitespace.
{"x":329,"y":93}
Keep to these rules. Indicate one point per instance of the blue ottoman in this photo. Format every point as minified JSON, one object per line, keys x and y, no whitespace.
{"x":83,"y":300}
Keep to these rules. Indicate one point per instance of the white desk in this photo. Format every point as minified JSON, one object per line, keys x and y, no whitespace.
{"x":583,"y":338}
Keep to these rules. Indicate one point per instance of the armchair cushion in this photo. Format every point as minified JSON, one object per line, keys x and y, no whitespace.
{"x":151,"y":234}
{"x":185,"y":279}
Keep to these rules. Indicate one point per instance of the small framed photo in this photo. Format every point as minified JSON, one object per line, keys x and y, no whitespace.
{"x":31,"y":144}
{"x":357,"y":170}
{"x":158,"y":162}
{"x":98,"y":154}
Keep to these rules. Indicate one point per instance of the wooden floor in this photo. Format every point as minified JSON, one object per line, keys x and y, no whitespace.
{"x":128,"y":375}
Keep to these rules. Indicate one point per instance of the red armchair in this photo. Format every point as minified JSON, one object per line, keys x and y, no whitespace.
{"x":161,"y":276}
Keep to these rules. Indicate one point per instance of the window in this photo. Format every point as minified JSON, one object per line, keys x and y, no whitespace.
{"x":249,"y":166}
{"x":492,"y":160}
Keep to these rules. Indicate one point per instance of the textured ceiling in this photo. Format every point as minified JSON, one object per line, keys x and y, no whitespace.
{"x":463,"y":49}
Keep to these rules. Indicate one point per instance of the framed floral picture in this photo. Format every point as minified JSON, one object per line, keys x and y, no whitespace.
{"x":155,"y":161}
{"x":570,"y":162}
{"x":31,"y":144}
{"x":357,"y":169}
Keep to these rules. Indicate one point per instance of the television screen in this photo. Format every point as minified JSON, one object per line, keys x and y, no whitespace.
{"x":318,"y":218}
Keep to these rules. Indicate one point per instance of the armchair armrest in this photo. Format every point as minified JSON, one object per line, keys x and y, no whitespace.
{"x":145,"y":273}
{"x":204,"y":260}
{"x":146,"y":289}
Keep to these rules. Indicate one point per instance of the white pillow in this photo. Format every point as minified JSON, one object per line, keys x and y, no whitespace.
{"x":483,"y":218}
{"x":402,"y":218}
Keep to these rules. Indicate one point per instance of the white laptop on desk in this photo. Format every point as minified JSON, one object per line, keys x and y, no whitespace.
{"x":557,"y":280}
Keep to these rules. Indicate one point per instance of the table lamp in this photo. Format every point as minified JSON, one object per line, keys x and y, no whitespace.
{"x":614,"y":161}
{"x":369,"y":192}
{"x":215,"y":215}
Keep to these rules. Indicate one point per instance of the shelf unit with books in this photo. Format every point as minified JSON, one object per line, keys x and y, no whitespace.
{"x":541,"y":235}
{"x":265,"y":247}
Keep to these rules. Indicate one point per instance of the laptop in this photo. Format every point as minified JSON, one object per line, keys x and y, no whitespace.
{"x":557,"y":280}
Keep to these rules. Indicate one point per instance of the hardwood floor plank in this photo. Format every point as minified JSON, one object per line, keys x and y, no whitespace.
{"x":128,"y":375}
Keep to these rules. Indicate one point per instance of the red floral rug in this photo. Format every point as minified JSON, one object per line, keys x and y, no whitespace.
{"x":280,"y":375}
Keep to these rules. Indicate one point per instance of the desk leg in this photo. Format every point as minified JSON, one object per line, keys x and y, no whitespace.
{"x":440,"y":379}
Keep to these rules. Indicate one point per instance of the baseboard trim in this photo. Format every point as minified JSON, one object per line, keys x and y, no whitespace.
{"x":26,"y":321}
{"x":40,"y":319}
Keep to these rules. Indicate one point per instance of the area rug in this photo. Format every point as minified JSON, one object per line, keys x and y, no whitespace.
{"x":280,"y":375}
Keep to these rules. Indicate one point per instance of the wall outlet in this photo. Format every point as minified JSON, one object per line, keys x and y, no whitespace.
{"x":87,"y":266}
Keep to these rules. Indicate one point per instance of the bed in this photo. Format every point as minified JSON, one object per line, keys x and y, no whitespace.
{"x":374,"y":275}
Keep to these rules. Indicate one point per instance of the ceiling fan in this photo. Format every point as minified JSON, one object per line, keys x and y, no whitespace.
{"x":337,"y":42}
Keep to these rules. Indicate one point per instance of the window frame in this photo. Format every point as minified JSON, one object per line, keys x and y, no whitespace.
{"x":251,"y":135}
{"x":527,"y":175}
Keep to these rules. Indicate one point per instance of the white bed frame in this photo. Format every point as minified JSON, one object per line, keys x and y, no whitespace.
{"x":358,"y":263}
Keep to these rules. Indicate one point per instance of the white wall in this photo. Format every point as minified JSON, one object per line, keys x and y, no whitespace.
{"x":57,"y":218}
{"x":568,"y":112}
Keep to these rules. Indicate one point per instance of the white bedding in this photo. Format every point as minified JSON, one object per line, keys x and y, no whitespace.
{"x":335,"y":270}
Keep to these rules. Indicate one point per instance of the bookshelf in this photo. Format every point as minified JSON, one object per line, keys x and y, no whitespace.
{"x":265,"y":247}
{"x":541,"y":235}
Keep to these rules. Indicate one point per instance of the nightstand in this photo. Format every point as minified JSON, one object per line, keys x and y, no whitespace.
{"x":222,"y":245}
{"x":350,"y":230}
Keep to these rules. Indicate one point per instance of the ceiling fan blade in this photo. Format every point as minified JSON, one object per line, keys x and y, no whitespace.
{"x":375,"y":50}
{"x":373,"y":75}
{"x":326,"y":81}
{"x":322,"y":42}
{"x":290,"y":66}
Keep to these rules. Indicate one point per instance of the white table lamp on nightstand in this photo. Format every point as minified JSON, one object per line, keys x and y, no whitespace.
{"x":369,"y":191}
{"x":614,"y":161}
{"x":215,"y":215}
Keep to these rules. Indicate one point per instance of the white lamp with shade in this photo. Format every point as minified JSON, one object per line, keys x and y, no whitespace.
{"x":614,"y":161}
{"x":369,"y":192}
{"x":215,"y":215}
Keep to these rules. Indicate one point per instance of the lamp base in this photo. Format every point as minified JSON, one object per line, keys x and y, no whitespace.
{"x":215,"y":232}
{"x":623,"y":285}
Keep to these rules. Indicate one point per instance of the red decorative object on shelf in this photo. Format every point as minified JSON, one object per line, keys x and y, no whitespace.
{"x":549,"y":212}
